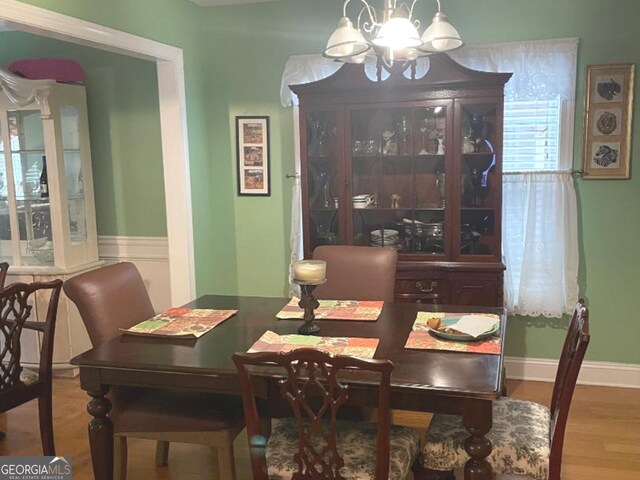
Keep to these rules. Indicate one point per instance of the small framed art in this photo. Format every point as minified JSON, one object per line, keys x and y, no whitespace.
{"x":252,"y":143}
{"x":607,"y":121}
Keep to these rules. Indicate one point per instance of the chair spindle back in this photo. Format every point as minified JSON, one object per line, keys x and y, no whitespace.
{"x":573,"y":351}
{"x":314,"y":390}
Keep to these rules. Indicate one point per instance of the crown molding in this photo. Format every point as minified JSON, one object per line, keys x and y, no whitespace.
{"x":218,"y":3}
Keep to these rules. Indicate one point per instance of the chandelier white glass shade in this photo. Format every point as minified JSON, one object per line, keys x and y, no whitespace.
{"x":395,"y":38}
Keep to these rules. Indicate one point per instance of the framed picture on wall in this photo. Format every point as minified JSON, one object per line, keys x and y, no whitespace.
{"x":252,"y":143}
{"x":607,"y":121}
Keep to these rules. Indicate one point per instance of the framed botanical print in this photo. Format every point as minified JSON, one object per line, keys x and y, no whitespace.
{"x":607,"y":121}
{"x":252,"y":144}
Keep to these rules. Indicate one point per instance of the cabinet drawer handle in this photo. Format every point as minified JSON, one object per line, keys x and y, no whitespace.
{"x":432,"y":289}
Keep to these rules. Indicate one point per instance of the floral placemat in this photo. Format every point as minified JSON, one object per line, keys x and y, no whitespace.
{"x":421,"y":339}
{"x":367,"y":311}
{"x":353,"y":346}
{"x":181,"y":322}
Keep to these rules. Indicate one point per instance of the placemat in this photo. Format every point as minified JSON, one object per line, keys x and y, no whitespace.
{"x":181,"y":322}
{"x":421,"y":339}
{"x":367,"y":311}
{"x":356,"y":347}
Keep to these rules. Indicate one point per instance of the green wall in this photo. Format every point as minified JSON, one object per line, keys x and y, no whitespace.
{"x":124,"y":126}
{"x":178,"y":23}
{"x":234,"y":57}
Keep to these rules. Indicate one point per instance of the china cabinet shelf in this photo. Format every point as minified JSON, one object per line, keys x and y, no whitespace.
{"x":398,"y":166}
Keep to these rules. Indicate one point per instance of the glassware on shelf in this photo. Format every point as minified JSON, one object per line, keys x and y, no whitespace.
{"x":480,"y":187}
{"x":476,"y":125}
{"x":440,"y":184}
{"x":427,"y":125}
{"x":440,"y":149}
{"x":326,"y":200}
{"x":319,"y":143}
{"x":467,"y":145}
{"x":358,"y":148}
{"x":371,"y":148}
{"x":404,"y":132}
{"x":390,"y":146}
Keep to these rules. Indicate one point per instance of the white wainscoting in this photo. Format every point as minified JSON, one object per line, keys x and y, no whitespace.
{"x":609,"y":374}
{"x":150,"y":255}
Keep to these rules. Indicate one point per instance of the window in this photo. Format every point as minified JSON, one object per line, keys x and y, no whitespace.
{"x":531,"y":135}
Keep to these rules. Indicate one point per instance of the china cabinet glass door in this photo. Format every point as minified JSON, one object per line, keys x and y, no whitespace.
{"x":481,"y":186}
{"x":399,"y":166}
{"x":324,"y":192}
{"x":74,"y":177}
{"x":28,"y":171}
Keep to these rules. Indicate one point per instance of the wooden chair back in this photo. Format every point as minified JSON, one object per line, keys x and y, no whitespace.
{"x":311,"y":384}
{"x":357,"y":273}
{"x":15,"y":310}
{"x":4,"y":268}
{"x":575,"y":347}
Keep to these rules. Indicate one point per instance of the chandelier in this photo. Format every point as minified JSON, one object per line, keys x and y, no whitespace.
{"x":392,"y":37}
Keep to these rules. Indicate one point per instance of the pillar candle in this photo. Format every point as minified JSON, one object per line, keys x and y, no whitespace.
{"x":310,"y":270}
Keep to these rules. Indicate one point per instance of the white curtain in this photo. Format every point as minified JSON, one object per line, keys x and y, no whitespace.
{"x":540,"y":234}
{"x":540,"y":228}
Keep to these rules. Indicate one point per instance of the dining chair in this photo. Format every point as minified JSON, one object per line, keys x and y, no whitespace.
{"x":115,"y":297}
{"x":4,"y":267}
{"x":357,"y":273}
{"x":17,"y":384}
{"x":527,"y":437}
{"x":311,"y":442}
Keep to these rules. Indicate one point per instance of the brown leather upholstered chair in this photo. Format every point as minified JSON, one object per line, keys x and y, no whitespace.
{"x":115,"y":297}
{"x":357,"y":273}
{"x":19,"y":385}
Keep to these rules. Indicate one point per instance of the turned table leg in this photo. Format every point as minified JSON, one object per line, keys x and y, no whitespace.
{"x":101,"y":435}
{"x":477,"y":419}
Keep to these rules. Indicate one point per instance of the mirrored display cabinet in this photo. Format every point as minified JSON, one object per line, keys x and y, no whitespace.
{"x":47,"y":213}
{"x":413,"y":164}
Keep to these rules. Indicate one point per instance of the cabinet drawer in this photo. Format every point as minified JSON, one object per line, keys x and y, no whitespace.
{"x":422,"y":290}
{"x":485,"y":290}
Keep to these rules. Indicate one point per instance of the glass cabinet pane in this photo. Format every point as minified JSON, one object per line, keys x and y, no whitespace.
{"x":480,"y":184}
{"x":73,"y":174}
{"x":322,"y":179}
{"x":30,"y":180}
{"x":398,"y":178}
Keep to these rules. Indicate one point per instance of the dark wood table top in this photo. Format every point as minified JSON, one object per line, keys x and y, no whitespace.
{"x":449,"y":373}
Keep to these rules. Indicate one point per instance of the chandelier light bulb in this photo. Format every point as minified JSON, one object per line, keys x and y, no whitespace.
{"x":398,"y":33}
{"x":441,"y":36}
{"x":345,"y":41}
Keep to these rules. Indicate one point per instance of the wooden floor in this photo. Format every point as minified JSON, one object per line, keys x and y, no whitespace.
{"x":602,"y":442}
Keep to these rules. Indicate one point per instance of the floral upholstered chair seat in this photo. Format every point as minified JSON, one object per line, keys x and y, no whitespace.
{"x":356,"y":444}
{"x":520,"y":438}
{"x":28,"y":377}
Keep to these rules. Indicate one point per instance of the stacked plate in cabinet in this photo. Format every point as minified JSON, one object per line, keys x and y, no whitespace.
{"x":386,"y":238}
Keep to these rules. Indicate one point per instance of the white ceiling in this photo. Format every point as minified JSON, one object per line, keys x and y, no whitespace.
{"x":213,"y":3}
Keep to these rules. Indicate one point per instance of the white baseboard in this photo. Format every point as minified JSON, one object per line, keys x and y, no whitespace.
{"x":150,"y":255}
{"x":610,"y":374}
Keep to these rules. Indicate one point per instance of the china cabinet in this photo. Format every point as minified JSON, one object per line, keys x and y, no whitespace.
{"x":413,"y":164}
{"x":47,"y":213}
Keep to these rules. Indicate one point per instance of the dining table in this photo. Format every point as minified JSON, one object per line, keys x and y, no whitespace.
{"x":451,"y":382}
